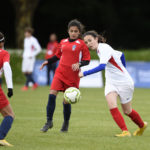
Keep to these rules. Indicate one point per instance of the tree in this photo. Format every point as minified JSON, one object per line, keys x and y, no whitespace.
{"x":24,"y":10}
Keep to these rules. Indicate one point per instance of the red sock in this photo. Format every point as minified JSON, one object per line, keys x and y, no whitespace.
{"x":118,"y":119}
{"x":135,"y":117}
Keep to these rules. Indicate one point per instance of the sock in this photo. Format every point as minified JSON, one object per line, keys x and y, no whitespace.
{"x":51,"y":107}
{"x":67,"y":111}
{"x":5,"y":126}
{"x":135,"y":117}
{"x":118,"y":119}
{"x":27,"y":80}
{"x":31,"y":78}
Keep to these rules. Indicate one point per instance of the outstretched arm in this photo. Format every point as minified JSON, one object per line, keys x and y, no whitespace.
{"x":92,"y":71}
{"x":49,"y":61}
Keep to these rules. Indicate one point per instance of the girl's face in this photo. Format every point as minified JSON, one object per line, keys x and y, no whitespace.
{"x":91,"y":42}
{"x":74,"y":32}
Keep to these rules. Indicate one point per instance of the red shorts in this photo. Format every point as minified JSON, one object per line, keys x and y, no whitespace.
{"x":59,"y":85}
{"x":3,"y":100}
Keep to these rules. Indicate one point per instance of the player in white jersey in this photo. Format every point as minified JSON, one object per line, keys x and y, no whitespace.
{"x":118,"y":82}
{"x":31,"y":49}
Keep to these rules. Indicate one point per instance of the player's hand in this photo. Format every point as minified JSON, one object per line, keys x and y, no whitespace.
{"x":81,"y":74}
{"x":10,"y":92}
{"x":75,"y":67}
{"x":44,"y":64}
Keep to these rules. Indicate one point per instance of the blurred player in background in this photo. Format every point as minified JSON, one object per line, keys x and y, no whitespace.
{"x":118,"y":82}
{"x":50,"y":52}
{"x":5,"y":108}
{"x":73,"y":54}
{"x":31,"y":49}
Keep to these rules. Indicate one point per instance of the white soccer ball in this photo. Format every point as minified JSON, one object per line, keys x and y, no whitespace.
{"x":72,"y":95}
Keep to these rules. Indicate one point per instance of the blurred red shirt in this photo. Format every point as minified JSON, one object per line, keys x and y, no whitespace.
{"x":51,"y":49}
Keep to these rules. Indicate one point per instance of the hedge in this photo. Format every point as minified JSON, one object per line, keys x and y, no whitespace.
{"x":16,"y":60}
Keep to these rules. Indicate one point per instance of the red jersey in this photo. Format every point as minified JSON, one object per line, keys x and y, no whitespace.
{"x":4,"y":57}
{"x":70,"y":53}
{"x":51,"y":49}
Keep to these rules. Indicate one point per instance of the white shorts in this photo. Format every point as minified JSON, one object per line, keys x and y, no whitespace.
{"x":125,"y":92}
{"x":28,"y":64}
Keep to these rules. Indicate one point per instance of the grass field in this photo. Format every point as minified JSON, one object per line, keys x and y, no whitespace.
{"x":91,"y":126}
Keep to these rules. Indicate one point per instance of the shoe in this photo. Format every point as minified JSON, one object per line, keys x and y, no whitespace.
{"x":140,"y":131}
{"x":65,"y":126}
{"x":47,"y":126}
{"x":35,"y":86}
{"x":5,"y":143}
{"x":124,"y":134}
{"x":25,"y":88}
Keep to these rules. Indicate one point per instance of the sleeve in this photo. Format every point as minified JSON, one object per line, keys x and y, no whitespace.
{"x":6,"y":57}
{"x":105,"y":54}
{"x":85,"y":53}
{"x":123,"y":60}
{"x":95,"y":70}
{"x":37,"y":47}
{"x":58,"y":51}
{"x":8,"y":75}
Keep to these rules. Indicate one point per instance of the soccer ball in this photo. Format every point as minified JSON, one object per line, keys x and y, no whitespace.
{"x":72,"y":95}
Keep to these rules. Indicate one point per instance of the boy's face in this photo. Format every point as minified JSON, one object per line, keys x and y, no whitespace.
{"x":27,"y":34}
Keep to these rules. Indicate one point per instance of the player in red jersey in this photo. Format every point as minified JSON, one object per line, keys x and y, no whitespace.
{"x":50,"y":52}
{"x":5,"y":108}
{"x":73,"y":54}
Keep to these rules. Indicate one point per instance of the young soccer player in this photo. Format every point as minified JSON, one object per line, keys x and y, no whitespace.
{"x":50,"y":52}
{"x":73,"y":54}
{"x":31,"y":49}
{"x":5,"y":108}
{"x":118,"y":82}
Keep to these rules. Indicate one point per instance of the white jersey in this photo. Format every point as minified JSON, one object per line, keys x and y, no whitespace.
{"x":31,"y":47}
{"x":115,"y":72}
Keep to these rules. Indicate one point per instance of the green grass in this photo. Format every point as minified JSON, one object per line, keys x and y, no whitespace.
{"x":91,"y":125}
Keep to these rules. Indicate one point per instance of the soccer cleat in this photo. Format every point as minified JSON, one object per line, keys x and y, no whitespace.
{"x":35,"y":86}
{"x":140,"y":131}
{"x":47,"y":126}
{"x":5,"y":143}
{"x":124,"y":134}
{"x":65,"y":126}
{"x":25,"y":88}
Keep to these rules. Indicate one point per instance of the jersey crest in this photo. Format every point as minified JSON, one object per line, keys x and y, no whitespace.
{"x":74,"y":47}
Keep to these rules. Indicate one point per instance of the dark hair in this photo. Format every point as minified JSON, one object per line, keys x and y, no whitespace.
{"x":78,"y":24}
{"x":29,"y":29}
{"x":2,"y":38}
{"x":93,"y":33}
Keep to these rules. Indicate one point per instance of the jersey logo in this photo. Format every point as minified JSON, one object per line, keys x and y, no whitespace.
{"x":78,"y":42}
{"x":74,"y":47}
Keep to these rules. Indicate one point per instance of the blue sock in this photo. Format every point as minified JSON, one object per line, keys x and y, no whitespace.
{"x":5,"y":126}
{"x":67,"y":111}
{"x":31,"y":78}
{"x":51,"y":107}
{"x":27,"y":80}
